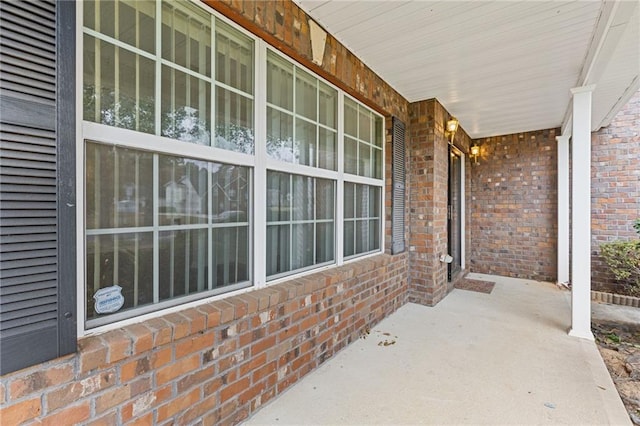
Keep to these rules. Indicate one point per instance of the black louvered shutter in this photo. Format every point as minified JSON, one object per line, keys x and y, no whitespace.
{"x":398,"y":194}
{"x":37,"y":313}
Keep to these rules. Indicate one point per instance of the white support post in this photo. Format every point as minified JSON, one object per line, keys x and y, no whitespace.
{"x":563,"y":209}
{"x":581,"y":214}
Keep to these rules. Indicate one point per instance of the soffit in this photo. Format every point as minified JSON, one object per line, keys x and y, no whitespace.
{"x":500,"y":67}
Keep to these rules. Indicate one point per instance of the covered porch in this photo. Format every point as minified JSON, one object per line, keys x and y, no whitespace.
{"x":499,"y":358}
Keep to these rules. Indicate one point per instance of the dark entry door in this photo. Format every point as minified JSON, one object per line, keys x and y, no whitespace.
{"x":454,"y":216}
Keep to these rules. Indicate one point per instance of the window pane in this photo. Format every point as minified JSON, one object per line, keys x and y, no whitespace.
{"x":111,"y":95}
{"x":313,"y":211}
{"x":230,"y":192}
{"x":306,"y":94}
{"x":324,"y":242}
{"x":377,"y":163}
{"x":136,"y":21}
{"x":230,"y":255}
{"x":182,"y":191}
{"x":325,"y":199}
{"x":366,"y":226}
{"x":362,"y":201}
{"x":278,"y":196}
{"x":185,"y":107}
{"x":326,"y":149}
{"x":305,"y":144}
{"x":186,"y":36}
{"x":350,"y":156}
{"x":302,"y":245}
{"x":350,"y":117}
{"x":279,"y":135}
{"x":125,"y":260}
{"x":183,"y":262}
{"x":362,"y":236}
{"x":328,"y":103}
{"x":349,"y":238}
{"x":303,"y":197}
{"x":364,"y":153}
{"x":364,"y":125}
{"x":234,"y":58}
{"x":378,"y":132}
{"x":279,"y":81}
{"x":278,"y":249}
{"x":119,"y":187}
{"x":234,"y":122}
{"x":374,"y":234}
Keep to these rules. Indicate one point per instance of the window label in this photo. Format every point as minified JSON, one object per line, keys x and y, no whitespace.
{"x":108,"y":300}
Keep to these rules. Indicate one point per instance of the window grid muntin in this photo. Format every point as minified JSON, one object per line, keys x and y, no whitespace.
{"x":291,"y":222}
{"x":275,"y":59}
{"x":238,"y":158}
{"x":375,"y":170}
{"x":156,"y":229}
{"x":367,"y":218}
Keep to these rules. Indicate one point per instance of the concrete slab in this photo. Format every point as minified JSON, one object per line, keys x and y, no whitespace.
{"x":499,"y":358}
{"x":606,"y":312}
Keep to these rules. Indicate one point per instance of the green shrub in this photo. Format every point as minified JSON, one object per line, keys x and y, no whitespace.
{"x":623,"y":258}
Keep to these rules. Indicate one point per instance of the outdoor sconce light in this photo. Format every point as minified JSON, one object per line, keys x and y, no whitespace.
{"x":475,"y":152}
{"x":452,"y":127}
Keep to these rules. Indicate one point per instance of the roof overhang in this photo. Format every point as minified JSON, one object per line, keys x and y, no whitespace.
{"x":500,"y":67}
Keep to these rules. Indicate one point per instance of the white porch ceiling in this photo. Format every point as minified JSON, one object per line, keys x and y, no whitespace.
{"x":500,"y":66}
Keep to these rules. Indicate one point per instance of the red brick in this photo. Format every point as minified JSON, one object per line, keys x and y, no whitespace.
{"x":161,"y":331}
{"x":20,"y":412}
{"x":108,"y":419}
{"x":194,"y":344}
{"x":212,"y":314}
{"x":145,"y":420}
{"x":93,"y":353}
{"x":66,"y":395}
{"x":234,"y":389}
{"x":179,"y":324}
{"x":262,"y":345}
{"x":145,"y":402}
{"x":142,"y":338}
{"x":203,"y":407}
{"x":198,"y":377}
{"x":178,"y":368}
{"x":197,"y":320}
{"x":69,"y":416}
{"x":112,"y":398}
{"x":41,"y":379}
{"x":119,"y":344}
{"x":132,"y":369}
{"x":162,"y":357}
{"x":177,"y":405}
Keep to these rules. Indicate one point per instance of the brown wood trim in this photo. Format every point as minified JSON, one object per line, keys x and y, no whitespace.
{"x":250,"y":26}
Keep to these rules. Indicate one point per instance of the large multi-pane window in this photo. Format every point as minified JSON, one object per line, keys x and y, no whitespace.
{"x":302,"y":120}
{"x":198,"y":179}
{"x":300,"y":222}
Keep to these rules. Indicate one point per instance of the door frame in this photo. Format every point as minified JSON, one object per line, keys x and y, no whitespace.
{"x":462,"y":156}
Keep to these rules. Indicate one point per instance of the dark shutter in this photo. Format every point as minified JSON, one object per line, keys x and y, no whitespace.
{"x":398,"y":193}
{"x":34,"y":325}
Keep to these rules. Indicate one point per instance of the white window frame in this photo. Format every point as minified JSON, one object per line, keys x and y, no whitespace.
{"x":259,"y":163}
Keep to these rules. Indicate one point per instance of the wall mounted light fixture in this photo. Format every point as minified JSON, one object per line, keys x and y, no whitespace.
{"x":474,"y":152}
{"x":452,"y":128}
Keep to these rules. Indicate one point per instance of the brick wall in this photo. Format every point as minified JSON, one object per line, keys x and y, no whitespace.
{"x":216,"y":363}
{"x":219,"y":362}
{"x":513,"y":206}
{"x":615,"y":187}
{"x":428,"y":174}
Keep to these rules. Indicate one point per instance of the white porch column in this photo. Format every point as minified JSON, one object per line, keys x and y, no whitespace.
{"x":581,"y":214}
{"x":563,"y":208}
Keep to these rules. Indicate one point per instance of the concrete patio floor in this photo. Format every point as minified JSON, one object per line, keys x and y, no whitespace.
{"x":499,"y":358}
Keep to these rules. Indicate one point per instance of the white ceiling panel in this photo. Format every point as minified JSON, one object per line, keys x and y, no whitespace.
{"x":499,"y":66}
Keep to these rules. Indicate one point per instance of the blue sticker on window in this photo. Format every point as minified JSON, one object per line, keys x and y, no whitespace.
{"x":108,"y":299}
